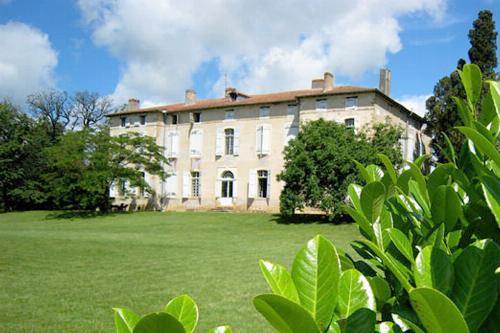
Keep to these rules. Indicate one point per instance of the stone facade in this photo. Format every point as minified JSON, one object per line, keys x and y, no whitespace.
{"x":226,"y":153}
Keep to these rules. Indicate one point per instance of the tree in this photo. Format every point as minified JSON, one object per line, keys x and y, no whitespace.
{"x":22,"y":140}
{"x":442,"y":115}
{"x":86,"y":163}
{"x":89,"y":109}
{"x":483,"y":39}
{"x":319,"y":163}
{"x":53,"y":107}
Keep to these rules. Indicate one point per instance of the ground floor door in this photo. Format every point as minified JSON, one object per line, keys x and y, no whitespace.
{"x":227,"y":183}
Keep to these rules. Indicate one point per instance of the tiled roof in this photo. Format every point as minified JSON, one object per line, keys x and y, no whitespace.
{"x":286,"y":96}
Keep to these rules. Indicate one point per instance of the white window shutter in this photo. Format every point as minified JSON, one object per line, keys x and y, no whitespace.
{"x":199,"y":142}
{"x":258,"y":141}
{"x":185,"y":184}
{"x":149,"y":181}
{"x":236,"y":143}
{"x":172,"y":185}
{"x":200,"y":183}
{"x":266,"y":139}
{"x":235,"y":188}
{"x":252,"y":183}
{"x":113,"y":193}
{"x":196,"y":142}
{"x":219,"y":142}
{"x":269,"y":181}
{"x":218,"y":188}
{"x":174,"y":144}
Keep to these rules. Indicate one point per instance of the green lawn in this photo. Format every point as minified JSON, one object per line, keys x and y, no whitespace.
{"x":65,"y":275}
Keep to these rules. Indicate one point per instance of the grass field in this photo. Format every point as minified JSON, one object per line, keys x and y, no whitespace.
{"x":65,"y":275}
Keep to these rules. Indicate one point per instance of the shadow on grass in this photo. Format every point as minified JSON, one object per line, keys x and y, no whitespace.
{"x":311,"y":218}
{"x":68,"y":215}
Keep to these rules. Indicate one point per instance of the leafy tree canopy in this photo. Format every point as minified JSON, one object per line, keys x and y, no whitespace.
{"x":319,"y":163}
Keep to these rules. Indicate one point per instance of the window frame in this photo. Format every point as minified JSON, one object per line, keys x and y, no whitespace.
{"x":261,"y":187}
{"x":347,"y":125}
{"x":195,"y":184}
{"x":196,"y":117}
{"x":351,"y":98}
{"x":267,"y":110}
{"x":228,"y":112}
{"x":294,"y":107}
{"x":123,"y":121}
{"x":142,"y":119}
{"x":229,"y":141}
{"x":176,"y":117}
{"x":319,"y":101}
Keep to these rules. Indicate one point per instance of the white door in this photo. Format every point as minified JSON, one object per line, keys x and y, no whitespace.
{"x":227,"y":189}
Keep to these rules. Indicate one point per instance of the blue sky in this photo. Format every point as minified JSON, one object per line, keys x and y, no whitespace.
{"x":155,"y":50}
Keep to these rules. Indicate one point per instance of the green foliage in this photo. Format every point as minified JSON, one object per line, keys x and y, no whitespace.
{"x":432,"y":238}
{"x":318,"y":163}
{"x":22,"y":140}
{"x":85,"y":164}
{"x":445,"y":107}
{"x":179,"y":316}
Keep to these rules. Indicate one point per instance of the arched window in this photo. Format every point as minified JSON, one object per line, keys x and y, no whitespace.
{"x":227,"y":184}
{"x":229,"y":134}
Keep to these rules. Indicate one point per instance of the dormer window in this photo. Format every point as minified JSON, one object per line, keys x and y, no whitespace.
{"x":321,"y":104}
{"x":175,"y":119}
{"x":351,"y":102}
{"x":196,"y":117}
{"x":264,"y":112}
{"x":143,"y":119}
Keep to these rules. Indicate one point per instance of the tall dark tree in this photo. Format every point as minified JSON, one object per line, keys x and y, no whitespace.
{"x":22,"y":162}
{"x":442,"y":114}
{"x":483,"y":39}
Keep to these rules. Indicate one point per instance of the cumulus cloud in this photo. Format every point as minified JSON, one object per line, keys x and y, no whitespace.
{"x":261,"y":45}
{"x":27,"y":61}
{"x":415,"y":103}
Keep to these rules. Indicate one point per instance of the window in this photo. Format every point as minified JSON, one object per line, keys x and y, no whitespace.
{"x":171,"y":185}
{"x":229,"y":115}
{"x":292,"y":110}
{"x":196,"y":117}
{"x":123,"y":121}
{"x":349,"y":123}
{"x":227,"y":184}
{"x":351,"y":102}
{"x":321,"y":104}
{"x":172,"y":146}
{"x":175,"y":119}
{"x":264,"y":112}
{"x":143,"y":120}
{"x":262,"y":181}
{"x":195,"y":184}
{"x":229,"y":135}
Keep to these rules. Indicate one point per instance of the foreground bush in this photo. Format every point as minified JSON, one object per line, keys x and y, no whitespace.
{"x":430,"y":259}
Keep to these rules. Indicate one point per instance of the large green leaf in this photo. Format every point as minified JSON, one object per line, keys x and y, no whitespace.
{"x":361,"y":321}
{"x":355,"y":293}
{"x":380,"y":288}
{"x":372,"y":200}
{"x":220,"y":329}
{"x":362,"y":221}
{"x":472,"y":80}
{"x":184,"y":309}
{"x":416,"y":174}
{"x":446,"y":207}
{"x":434,"y":269}
{"x":387,"y":327}
{"x":354,"y":191}
{"x":395,"y":267}
{"x":475,"y":287}
{"x":316,"y":273}
{"x":389,"y":168}
{"x":491,"y":191}
{"x":402,"y":243}
{"x":437,"y":312}
{"x":125,"y":320}
{"x":439,"y":176}
{"x":482,"y":144}
{"x":495,"y":96}
{"x":159,"y":323}
{"x":284,"y":315}
{"x":279,"y":280}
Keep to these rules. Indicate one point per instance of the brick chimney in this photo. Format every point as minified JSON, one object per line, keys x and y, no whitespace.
{"x":328,"y":81}
{"x":385,"y":81}
{"x":133,"y":104}
{"x":190,"y":96}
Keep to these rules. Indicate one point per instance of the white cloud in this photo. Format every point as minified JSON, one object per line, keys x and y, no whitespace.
{"x":415,"y":103}
{"x":262,"y":45}
{"x":27,"y":61}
